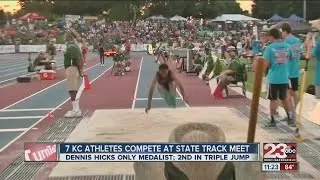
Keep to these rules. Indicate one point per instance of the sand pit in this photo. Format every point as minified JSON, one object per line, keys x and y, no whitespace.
{"x":136,"y":126}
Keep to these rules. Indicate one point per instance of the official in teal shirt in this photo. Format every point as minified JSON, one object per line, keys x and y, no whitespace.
{"x":294,"y":63}
{"x":256,"y":49}
{"x":316,"y":53}
{"x":277,"y":55}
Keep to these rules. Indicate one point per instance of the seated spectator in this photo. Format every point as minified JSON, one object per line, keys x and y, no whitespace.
{"x":236,"y":71}
{"x":43,"y":59}
{"x":197,"y":63}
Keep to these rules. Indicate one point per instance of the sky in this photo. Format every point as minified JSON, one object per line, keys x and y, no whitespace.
{"x":12,"y":5}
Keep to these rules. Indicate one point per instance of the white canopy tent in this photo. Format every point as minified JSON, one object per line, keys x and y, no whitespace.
{"x":178,"y":18}
{"x":233,"y":17}
{"x":315,"y":23}
{"x":159,"y":17}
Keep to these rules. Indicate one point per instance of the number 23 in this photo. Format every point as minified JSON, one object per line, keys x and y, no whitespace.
{"x":270,"y":154}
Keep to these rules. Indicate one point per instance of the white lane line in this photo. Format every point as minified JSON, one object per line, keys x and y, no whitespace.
{"x":31,"y":127}
{"x":6,"y":69}
{"x":137,"y":84}
{"x":16,"y":66}
{"x":181,"y":97}
{"x":16,"y":130}
{"x":18,"y":76}
{"x":24,"y":65}
{"x":17,"y":72}
{"x":13,"y":63}
{"x":22,"y":110}
{"x":187,"y":105}
{"x":28,"y":97}
{"x":145,"y":99}
{"x":98,"y":77}
{"x":58,"y":68}
{"x":22,"y":117}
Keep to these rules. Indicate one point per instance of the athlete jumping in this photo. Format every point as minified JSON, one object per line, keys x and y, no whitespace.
{"x":167,"y":83}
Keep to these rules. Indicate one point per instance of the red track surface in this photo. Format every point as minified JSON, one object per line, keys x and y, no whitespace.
{"x":113,"y":92}
{"x":198,"y":93}
{"x":16,"y":92}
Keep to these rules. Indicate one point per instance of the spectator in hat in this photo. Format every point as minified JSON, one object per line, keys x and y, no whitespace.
{"x":235,"y":72}
{"x":73,"y":65}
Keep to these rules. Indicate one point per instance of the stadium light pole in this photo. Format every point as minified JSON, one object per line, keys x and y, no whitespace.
{"x":305,"y":9}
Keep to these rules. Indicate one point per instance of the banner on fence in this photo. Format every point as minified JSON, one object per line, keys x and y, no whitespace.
{"x":136,"y":47}
{"x":7,"y":49}
{"x":32,"y":48}
{"x":59,"y":47}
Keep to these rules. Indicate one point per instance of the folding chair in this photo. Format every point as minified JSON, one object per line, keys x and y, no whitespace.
{"x":239,"y":83}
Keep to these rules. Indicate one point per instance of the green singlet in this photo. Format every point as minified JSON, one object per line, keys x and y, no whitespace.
{"x":167,"y":90}
{"x":168,"y":96}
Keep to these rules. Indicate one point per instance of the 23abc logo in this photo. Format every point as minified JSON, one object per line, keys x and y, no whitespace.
{"x":279,"y":151}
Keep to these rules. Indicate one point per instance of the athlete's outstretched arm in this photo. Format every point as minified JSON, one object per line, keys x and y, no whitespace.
{"x":153,"y":85}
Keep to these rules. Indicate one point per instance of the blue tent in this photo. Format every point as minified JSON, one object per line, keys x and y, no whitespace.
{"x":296,"y":27}
{"x":275,"y":18}
{"x":296,"y":18}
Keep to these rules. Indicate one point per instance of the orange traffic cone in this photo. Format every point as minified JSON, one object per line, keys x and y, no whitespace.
{"x":87,"y":85}
{"x":50,"y":115}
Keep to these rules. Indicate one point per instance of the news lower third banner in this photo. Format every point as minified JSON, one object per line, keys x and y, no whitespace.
{"x":131,"y":152}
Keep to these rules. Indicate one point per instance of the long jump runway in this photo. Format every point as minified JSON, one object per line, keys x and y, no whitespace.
{"x":147,"y":72}
{"x":16,"y":119}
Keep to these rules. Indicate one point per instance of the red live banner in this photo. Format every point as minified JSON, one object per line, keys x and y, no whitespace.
{"x":42,"y":152}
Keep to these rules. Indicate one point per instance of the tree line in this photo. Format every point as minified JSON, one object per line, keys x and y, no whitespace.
{"x":264,"y":9}
{"x":127,"y":10}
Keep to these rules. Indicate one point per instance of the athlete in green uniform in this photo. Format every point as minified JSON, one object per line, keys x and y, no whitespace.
{"x":73,"y":65}
{"x":167,"y":83}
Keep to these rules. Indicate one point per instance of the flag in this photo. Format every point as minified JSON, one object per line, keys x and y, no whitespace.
{"x":216,"y":88}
